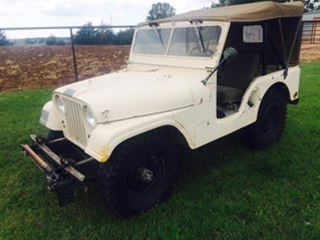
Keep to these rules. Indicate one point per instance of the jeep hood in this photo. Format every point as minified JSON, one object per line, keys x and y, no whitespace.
{"x":129,"y":94}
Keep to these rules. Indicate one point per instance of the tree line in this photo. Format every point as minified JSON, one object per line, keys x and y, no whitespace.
{"x":89,"y":35}
{"x":3,"y":39}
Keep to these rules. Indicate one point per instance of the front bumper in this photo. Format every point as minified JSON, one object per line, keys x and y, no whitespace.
{"x":63,"y":170}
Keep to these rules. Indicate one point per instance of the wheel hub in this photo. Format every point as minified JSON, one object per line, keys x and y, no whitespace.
{"x":146,"y":175}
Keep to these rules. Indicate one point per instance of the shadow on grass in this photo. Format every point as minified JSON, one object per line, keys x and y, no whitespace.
{"x":228,"y":157}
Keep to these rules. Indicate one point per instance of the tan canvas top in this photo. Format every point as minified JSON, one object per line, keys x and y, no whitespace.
{"x":251,"y":12}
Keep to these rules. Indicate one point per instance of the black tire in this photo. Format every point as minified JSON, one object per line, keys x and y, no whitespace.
{"x":139,"y":175}
{"x":271,"y":121}
{"x":52,"y":135}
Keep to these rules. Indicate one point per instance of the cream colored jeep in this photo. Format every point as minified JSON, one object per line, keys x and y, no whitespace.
{"x":190,"y":79}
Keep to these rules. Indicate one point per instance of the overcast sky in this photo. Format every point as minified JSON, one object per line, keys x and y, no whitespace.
{"x":30,"y":13}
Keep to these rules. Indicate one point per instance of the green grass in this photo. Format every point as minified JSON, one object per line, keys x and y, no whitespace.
{"x":225,"y":190}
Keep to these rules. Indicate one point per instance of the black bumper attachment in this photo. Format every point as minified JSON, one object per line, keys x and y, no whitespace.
{"x":62,"y":173}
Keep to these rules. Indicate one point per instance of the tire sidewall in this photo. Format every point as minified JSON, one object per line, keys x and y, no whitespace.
{"x":118,"y":196}
{"x":258,"y":136}
{"x":158,"y":192}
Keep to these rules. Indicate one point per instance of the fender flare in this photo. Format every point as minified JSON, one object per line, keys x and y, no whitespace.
{"x":105,"y":138}
{"x":288,"y":87}
{"x":50,"y":117}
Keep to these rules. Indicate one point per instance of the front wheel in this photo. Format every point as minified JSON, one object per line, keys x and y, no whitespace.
{"x":139,"y":175}
{"x":271,"y":120}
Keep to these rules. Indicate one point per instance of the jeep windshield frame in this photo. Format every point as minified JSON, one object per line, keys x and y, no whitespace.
{"x":179,"y":58}
{"x":195,"y":40}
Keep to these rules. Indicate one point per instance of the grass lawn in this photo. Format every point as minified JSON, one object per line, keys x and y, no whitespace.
{"x":225,"y":190}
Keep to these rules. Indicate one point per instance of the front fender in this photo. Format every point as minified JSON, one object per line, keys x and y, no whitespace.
{"x":106,"y":137}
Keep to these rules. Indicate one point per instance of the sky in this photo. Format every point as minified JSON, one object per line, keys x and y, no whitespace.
{"x":34,"y":13}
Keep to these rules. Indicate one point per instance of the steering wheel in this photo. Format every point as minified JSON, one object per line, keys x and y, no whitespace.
{"x":207,"y":51}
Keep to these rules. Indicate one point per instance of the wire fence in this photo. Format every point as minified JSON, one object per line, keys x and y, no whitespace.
{"x":311,"y":32}
{"x":71,"y":32}
{"x":40,"y":66}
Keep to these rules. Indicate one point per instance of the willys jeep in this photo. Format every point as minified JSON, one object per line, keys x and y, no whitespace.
{"x":190,"y":79}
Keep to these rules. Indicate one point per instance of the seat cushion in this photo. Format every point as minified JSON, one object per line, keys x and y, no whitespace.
{"x":227,"y":95}
{"x":239,"y":73}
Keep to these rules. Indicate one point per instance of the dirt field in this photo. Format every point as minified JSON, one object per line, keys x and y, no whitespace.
{"x":44,"y":67}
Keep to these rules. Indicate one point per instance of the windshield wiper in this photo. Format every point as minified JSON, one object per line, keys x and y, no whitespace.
{"x":159,"y":36}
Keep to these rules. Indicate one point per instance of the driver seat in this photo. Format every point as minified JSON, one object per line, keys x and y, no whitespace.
{"x":228,"y":95}
{"x":235,"y":78}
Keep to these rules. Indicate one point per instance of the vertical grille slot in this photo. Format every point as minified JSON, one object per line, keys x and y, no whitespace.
{"x":75,"y":126}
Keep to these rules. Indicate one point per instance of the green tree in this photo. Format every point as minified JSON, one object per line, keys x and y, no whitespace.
{"x":160,"y":10}
{"x":30,"y":41}
{"x":87,"y":35}
{"x":310,"y":5}
{"x":3,"y":39}
{"x":124,"y":37}
{"x":52,"y":40}
{"x":222,"y":3}
{"x":105,"y":35}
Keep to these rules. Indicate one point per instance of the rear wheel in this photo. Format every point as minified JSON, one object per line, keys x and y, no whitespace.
{"x":271,"y":120}
{"x":139,"y":175}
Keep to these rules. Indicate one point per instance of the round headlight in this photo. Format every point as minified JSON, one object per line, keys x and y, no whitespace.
{"x":60,"y":103}
{"x":91,"y":121}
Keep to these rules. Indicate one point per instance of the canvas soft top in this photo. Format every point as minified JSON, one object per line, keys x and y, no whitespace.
{"x":251,"y":12}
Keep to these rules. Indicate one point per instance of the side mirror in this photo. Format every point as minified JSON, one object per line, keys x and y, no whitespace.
{"x":230,"y":54}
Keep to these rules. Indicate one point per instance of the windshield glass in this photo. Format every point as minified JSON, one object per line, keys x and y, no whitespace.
{"x":152,"y":41}
{"x":199,"y":41}
{"x":195,"y":41}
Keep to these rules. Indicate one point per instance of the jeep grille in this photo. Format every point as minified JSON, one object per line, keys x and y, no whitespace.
{"x":76,"y":130}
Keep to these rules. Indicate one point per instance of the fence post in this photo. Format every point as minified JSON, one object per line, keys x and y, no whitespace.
{"x":75,"y":67}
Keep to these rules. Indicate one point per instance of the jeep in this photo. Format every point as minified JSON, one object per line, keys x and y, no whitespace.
{"x":190,"y":79}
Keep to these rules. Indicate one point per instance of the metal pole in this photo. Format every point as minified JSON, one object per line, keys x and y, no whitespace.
{"x":294,"y":42}
{"x":63,"y":27}
{"x":265,"y":49}
{"x":284,"y":53}
{"x":75,"y":67}
{"x":316,"y":32}
{"x":311,"y":33}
